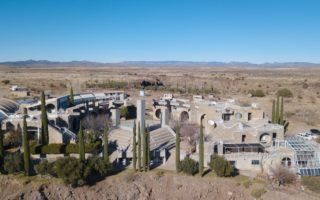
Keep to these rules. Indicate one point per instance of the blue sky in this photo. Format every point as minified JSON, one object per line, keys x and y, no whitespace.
{"x":200,"y":30}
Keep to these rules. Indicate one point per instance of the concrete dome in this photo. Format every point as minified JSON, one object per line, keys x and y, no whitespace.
{"x":8,"y":106}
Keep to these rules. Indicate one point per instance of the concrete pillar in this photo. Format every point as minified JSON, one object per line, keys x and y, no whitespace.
{"x":111,"y":104}
{"x":141,"y":111}
{"x":115,"y":116}
{"x":164,"y":117}
{"x":220,"y":148}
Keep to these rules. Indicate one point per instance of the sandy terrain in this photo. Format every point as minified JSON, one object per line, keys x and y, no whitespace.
{"x":302,"y":111}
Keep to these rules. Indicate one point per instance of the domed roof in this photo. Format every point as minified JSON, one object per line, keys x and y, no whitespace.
{"x":8,"y":106}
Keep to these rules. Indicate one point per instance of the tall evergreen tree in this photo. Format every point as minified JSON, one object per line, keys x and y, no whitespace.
{"x":148,"y":150}
{"x":1,"y":149}
{"x":277,"y":110}
{"x":281,"y":111}
{"x":144,"y":147}
{"x":273,"y":120}
{"x":201,"y":150}
{"x":81,"y":144}
{"x":106,"y":142}
{"x":71,"y":97}
{"x":139,"y":147}
{"x":134,"y":149}
{"x":177,"y":147}
{"x":25,"y":144}
{"x":44,"y":121}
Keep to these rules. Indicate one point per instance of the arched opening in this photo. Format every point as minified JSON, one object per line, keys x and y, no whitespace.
{"x":158,"y":113}
{"x":184,"y":116}
{"x":238,"y":115}
{"x":286,"y":162}
{"x":265,"y":138}
{"x":51,"y":108}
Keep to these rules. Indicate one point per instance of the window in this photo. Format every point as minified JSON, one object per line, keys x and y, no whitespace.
{"x":226,"y":117}
{"x":274,"y":136}
{"x":255,"y":162}
{"x":243,"y":138}
{"x":249,"y":116}
{"x":286,"y":162}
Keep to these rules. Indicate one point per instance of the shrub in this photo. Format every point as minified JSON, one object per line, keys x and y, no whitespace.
{"x":123,"y":111}
{"x":283,"y":175}
{"x":13,"y":163}
{"x":64,"y":148}
{"x":285,"y":92}
{"x":257,"y":193}
{"x":221,"y":166}
{"x":45,"y":168}
{"x":188,"y":166}
{"x":257,"y":93}
{"x":70,"y":170}
{"x":96,"y":167}
{"x":6,"y":82}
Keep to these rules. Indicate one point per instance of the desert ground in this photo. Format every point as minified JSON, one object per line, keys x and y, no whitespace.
{"x":156,"y":184}
{"x":302,"y":110}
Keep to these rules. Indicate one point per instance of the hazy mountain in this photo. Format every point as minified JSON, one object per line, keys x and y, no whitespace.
{"x":46,"y":63}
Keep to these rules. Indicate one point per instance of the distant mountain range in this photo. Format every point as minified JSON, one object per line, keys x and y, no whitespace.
{"x":46,"y":63}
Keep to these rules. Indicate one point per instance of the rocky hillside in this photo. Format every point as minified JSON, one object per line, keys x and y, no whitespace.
{"x":153,"y":185}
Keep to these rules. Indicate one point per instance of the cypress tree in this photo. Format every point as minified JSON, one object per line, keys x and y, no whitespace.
{"x":201,"y":150}
{"x":144,"y":147}
{"x":177,"y":147}
{"x":134,"y":149}
{"x":277,"y":110}
{"x":148,"y":150}
{"x":25,"y":144}
{"x":281,"y":111}
{"x":139,"y":148}
{"x":273,"y":112}
{"x":44,"y":121}
{"x":71,"y":97}
{"x":81,"y":145}
{"x":106,"y":142}
{"x":1,"y":149}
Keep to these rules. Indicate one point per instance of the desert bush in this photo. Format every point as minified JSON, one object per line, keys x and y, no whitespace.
{"x":6,"y":82}
{"x":247,"y":183}
{"x":221,"y":166}
{"x":70,"y":170}
{"x":285,"y":92}
{"x":257,"y":93}
{"x":188,"y":166}
{"x":45,"y":168}
{"x":96,"y":166}
{"x":312,"y":183}
{"x":13,"y":163}
{"x":257,"y":193}
{"x":283,"y":175}
{"x":64,"y":148}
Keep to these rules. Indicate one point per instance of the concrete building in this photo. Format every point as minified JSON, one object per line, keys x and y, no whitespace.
{"x":63,"y":118}
{"x":242,"y":134}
